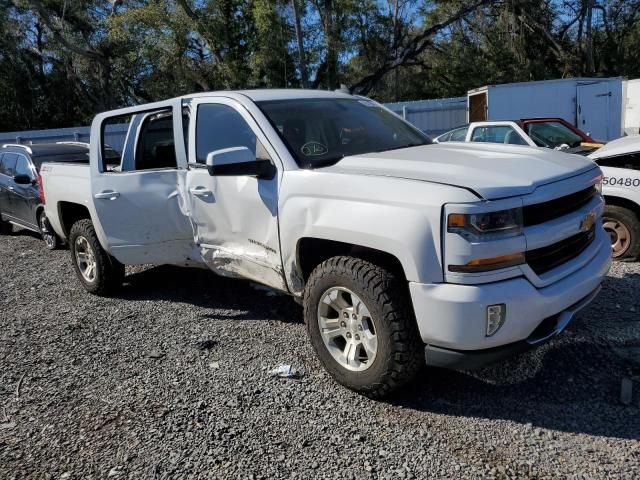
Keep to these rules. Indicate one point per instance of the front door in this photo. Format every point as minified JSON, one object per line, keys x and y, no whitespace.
{"x":235,"y":218}
{"x":593,"y":110}
{"x":7,"y":170}
{"x":139,"y":206}
{"x":25,"y":197}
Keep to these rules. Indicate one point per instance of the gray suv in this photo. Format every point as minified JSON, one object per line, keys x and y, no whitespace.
{"x":21,"y":194}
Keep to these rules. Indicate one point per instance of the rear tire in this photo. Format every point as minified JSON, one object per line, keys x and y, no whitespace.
{"x":50,"y":239}
{"x":361,"y":325}
{"x":99,"y":272}
{"x":623,"y":227}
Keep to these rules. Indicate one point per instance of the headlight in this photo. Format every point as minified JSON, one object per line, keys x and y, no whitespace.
{"x":485,"y":226}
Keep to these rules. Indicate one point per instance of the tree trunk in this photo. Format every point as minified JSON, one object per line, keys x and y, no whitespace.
{"x":330,"y":40}
{"x":589,"y":34}
{"x":304,"y":78}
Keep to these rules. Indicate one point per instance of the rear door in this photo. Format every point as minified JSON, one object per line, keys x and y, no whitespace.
{"x":593,"y":110}
{"x":138,"y":202}
{"x":235,"y":217}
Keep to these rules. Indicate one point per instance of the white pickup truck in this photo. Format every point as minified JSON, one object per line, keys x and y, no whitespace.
{"x":400,"y":250}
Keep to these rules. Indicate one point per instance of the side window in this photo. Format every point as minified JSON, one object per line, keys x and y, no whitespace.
{"x":220,"y":126}
{"x":156,"y":148}
{"x":114,"y":138}
{"x":497,"y":134}
{"x":8,"y":166}
{"x":459,"y":135}
{"x":630,"y":161}
{"x":444,"y":138}
{"x":23,"y":167}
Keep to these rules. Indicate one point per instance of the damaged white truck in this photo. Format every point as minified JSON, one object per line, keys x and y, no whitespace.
{"x":401,"y":251}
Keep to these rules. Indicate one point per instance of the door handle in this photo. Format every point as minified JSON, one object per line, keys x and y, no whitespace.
{"x":200,"y":192}
{"x":11,"y":189}
{"x":108,"y":194}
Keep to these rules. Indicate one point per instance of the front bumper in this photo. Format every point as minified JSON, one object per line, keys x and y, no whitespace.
{"x":472,"y":359}
{"x":451,"y":317}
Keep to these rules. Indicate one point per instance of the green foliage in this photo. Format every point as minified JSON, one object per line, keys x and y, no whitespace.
{"x":62,"y":61}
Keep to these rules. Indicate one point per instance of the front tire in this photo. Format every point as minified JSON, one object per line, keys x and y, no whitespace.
{"x":623,"y":227}
{"x":99,"y":272}
{"x":361,"y":325}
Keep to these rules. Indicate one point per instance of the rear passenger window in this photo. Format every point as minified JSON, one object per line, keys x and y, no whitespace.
{"x":142,"y":141}
{"x":8,"y":165}
{"x":156,"y":148}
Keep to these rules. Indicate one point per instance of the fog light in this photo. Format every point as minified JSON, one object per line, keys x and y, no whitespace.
{"x":495,"y":317}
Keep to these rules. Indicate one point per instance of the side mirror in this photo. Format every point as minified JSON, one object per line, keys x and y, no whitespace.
{"x":239,"y":161}
{"x":22,"y":179}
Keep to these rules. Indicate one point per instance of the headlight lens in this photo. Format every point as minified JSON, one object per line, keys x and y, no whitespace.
{"x":484,"y":226}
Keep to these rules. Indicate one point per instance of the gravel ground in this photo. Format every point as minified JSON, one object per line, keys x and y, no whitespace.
{"x":170,"y":380}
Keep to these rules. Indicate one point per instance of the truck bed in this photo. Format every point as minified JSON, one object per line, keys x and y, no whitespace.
{"x":64,"y":182}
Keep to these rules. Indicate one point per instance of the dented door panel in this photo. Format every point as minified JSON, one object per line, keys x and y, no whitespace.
{"x":235,"y":218}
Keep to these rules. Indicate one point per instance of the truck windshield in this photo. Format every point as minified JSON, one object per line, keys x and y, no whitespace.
{"x":554,"y":135}
{"x":321,"y":131}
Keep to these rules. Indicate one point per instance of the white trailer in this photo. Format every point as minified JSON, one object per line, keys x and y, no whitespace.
{"x":594,"y":105}
{"x":631,"y":108}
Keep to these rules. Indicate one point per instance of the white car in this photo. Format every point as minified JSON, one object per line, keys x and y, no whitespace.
{"x":620,"y":163}
{"x":399,"y":250}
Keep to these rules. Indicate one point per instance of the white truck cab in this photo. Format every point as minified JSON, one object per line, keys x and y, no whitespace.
{"x":619,"y":161}
{"x":400,"y":250}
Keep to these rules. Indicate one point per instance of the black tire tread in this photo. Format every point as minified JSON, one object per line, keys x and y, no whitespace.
{"x":110,"y":272}
{"x":405,"y":358}
{"x":58,"y":242}
{"x":633,"y":223}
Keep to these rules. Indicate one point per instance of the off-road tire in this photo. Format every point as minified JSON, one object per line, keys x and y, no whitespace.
{"x":630,"y":220}
{"x":109,"y":273}
{"x":400,"y":353}
{"x":54,"y":242}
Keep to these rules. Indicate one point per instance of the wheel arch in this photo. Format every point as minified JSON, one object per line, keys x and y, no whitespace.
{"x":312,"y":251}
{"x":69,"y":213}
{"x":622,"y":202}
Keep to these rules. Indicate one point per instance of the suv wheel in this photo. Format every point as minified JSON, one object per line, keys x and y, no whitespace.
{"x":50,"y":238}
{"x":623,"y":227}
{"x":99,"y":272}
{"x":5,"y":227}
{"x":361,"y":325}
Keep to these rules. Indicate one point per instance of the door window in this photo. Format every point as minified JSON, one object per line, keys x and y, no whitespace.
{"x":497,"y":134}
{"x":23,"y":167}
{"x":459,"y":135}
{"x":156,"y":147}
{"x":8,"y":165}
{"x":220,"y":126}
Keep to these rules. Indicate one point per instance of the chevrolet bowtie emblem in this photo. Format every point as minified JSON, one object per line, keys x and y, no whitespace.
{"x":587,"y":222}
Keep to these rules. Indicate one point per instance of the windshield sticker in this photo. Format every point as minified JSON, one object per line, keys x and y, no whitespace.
{"x":367,"y":103}
{"x":313,"y":149}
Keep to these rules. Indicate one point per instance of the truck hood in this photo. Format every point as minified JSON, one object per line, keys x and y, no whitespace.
{"x":621,"y":146}
{"x":491,"y":171}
